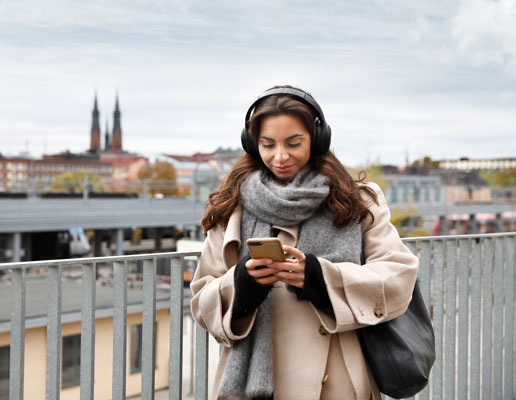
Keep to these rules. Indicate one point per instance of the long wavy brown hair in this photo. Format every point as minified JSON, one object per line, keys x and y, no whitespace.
{"x":344,"y":200}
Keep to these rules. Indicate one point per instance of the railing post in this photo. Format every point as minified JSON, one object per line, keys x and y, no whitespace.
{"x":148,"y":328}
{"x":474,"y":324}
{"x":437,"y":371}
{"x":463,"y":314}
{"x":119,"y":242}
{"x":54,"y":333}
{"x":176,"y":329}
{"x":17,"y":350}
{"x":88,"y":331}
{"x":487,"y":315}
{"x":201,"y":363}
{"x":510,"y":355}
{"x":449,"y":333}
{"x":497,"y":312}
{"x":119,"y":329}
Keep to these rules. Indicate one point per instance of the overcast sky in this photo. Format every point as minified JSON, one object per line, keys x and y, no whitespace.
{"x":395,"y":79}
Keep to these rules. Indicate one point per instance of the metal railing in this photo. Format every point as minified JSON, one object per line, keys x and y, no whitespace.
{"x":467,"y":281}
{"x":53,"y":356}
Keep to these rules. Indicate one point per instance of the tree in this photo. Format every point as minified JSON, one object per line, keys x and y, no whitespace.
{"x":160,"y":177}
{"x":504,"y":177}
{"x":427,"y":162}
{"x":373,"y":173}
{"x":73,"y":182}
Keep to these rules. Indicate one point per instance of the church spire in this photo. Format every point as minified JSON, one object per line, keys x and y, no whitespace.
{"x":116,"y":143}
{"x":95,"y":128}
{"x":107,"y":142}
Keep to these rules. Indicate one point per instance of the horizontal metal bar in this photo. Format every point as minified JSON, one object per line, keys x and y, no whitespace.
{"x":447,"y":237}
{"x":109,"y":259}
{"x":136,"y":257}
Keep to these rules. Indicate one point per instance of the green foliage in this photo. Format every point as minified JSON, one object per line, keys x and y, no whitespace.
{"x":73,"y":182}
{"x":488,"y":176}
{"x":426,"y":162}
{"x":373,"y":173}
{"x":504,"y":177}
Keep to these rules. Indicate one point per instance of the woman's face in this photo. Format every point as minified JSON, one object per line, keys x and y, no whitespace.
{"x":284,"y":145}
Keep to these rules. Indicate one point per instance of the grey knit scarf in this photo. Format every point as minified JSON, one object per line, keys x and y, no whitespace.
{"x":266,"y":202}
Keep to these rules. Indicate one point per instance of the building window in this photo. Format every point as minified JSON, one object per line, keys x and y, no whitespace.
{"x":71,"y":372}
{"x":135,"y":355}
{"x":4,"y":372}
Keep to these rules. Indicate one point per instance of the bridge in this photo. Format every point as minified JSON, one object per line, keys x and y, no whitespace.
{"x":32,"y":215}
{"x":29,"y":216}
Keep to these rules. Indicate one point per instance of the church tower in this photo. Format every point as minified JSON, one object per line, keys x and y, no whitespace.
{"x":95,"y":129}
{"x":107,"y":142}
{"x":116,"y":141}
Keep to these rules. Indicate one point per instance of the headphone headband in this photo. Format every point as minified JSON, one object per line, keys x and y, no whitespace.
{"x":299,"y":94}
{"x":320,"y":137}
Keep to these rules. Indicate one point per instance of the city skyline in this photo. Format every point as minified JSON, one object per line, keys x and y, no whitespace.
{"x":394,"y":79}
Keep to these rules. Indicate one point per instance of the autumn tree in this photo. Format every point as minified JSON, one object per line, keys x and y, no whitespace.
{"x":159,"y":177}
{"x":73,"y":182}
{"x":373,"y":173}
{"x":504,"y":177}
{"x":427,"y":162}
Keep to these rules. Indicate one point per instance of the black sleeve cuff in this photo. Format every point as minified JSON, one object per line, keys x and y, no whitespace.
{"x":249,"y":294}
{"x":314,"y":289}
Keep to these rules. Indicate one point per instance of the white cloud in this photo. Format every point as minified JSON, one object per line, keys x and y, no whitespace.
{"x":485,"y":32}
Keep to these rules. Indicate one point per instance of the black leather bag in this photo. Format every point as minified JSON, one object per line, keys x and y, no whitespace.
{"x":401,"y":352}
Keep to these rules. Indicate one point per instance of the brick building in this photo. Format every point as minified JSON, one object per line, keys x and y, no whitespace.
{"x":116,"y":167}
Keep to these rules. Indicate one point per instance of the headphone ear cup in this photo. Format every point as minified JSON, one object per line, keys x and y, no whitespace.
{"x":314,"y":151}
{"x":248,"y":144}
{"x":325,"y":138}
{"x":321,"y":138}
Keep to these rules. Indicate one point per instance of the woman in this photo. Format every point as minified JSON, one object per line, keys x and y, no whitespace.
{"x":288,"y":328}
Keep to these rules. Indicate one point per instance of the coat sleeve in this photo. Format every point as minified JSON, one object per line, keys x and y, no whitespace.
{"x":377,"y":291}
{"x":214,"y":291}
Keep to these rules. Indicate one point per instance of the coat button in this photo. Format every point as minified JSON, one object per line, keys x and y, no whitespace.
{"x":322,"y":330}
{"x":378,"y":311}
{"x":324,"y":379}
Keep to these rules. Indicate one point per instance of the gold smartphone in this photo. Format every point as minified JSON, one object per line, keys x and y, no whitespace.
{"x":266,"y":248}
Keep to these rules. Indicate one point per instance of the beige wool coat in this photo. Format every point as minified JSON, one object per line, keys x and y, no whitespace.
{"x":316,"y":355}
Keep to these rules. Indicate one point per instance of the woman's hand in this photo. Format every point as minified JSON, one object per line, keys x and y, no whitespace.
{"x":292,"y":271}
{"x":261,"y":270}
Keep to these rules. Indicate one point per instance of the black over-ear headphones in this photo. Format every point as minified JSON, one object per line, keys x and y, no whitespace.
{"x":321,"y":133}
